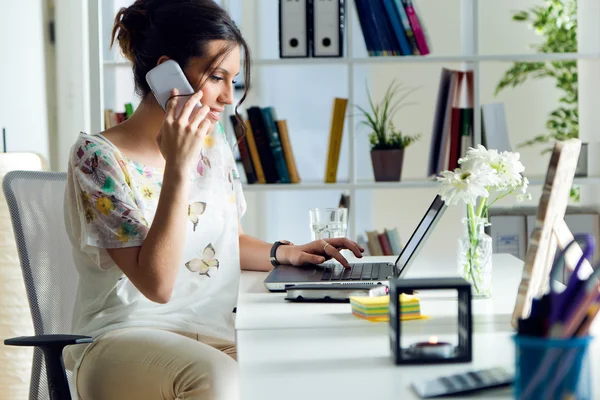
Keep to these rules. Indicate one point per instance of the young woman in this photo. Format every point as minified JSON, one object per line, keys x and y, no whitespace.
{"x":154,"y":208}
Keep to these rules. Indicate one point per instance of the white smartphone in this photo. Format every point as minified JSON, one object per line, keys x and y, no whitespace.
{"x":168,"y":76}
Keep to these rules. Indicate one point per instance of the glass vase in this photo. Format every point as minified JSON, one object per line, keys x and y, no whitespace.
{"x":475,"y":257}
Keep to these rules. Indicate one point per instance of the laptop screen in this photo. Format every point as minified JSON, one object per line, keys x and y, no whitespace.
{"x":420,"y":235}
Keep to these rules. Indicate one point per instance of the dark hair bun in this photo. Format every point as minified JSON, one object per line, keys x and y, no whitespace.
{"x":130,"y":23}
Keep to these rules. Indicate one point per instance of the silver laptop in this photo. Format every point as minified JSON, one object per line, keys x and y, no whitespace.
{"x":360,"y":273}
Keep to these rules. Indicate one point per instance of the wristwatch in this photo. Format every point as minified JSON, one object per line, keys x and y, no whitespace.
{"x":278,"y":243}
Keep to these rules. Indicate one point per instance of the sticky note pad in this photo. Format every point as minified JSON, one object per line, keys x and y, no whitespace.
{"x":375,"y":309}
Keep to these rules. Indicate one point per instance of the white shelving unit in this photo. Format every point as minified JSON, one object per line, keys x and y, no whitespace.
{"x":469,"y":58}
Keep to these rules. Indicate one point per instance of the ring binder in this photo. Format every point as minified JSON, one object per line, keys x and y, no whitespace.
{"x":293,"y":28}
{"x":328,"y":25}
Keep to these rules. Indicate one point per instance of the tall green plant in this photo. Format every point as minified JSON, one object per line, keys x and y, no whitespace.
{"x":556,"y":21}
{"x":384,"y":135}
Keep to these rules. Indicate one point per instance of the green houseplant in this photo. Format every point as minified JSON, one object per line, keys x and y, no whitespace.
{"x":556,"y":22}
{"x":387,"y":141}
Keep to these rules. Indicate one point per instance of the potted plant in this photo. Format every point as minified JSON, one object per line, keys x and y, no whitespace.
{"x":387,"y":141}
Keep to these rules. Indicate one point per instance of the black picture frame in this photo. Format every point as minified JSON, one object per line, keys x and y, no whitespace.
{"x":464,"y":349}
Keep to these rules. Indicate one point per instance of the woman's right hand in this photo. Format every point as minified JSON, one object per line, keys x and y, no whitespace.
{"x":181,"y":136}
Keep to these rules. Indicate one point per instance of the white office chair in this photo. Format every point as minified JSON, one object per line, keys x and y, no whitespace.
{"x":36,"y":203}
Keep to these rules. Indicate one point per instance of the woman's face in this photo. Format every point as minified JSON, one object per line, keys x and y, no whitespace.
{"x":218,"y":87}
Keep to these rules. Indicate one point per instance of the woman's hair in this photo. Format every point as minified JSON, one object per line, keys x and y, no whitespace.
{"x":178,"y":29}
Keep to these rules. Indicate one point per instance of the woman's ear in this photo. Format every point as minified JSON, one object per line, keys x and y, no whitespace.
{"x":162,"y":59}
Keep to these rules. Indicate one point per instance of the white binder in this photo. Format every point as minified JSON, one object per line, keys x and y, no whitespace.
{"x":293,"y":28}
{"x":328,"y":28}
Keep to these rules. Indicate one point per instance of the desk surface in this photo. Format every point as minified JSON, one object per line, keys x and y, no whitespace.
{"x":320,"y":351}
{"x":259,"y":309}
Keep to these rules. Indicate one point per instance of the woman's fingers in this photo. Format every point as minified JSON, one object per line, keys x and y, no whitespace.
{"x":189,"y":106}
{"x":331,"y":251}
{"x":345,"y":243}
{"x":172,"y":105}
{"x":198,"y":115}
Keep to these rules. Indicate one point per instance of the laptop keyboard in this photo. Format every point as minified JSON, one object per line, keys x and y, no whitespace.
{"x":363,"y":272}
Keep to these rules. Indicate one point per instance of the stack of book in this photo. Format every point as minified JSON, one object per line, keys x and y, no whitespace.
{"x":453,"y":123}
{"x":392,"y":28}
{"x":113,"y":118}
{"x":386,"y":243}
{"x":265,"y":147}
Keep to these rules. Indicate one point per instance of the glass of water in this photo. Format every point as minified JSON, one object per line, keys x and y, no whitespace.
{"x":328,"y":223}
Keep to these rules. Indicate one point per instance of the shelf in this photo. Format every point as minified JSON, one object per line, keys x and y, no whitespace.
{"x":340,"y":186}
{"x":368,"y":185}
{"x":587,"y":180}
{"x":431,"y":59}
{"x":409,"y":59}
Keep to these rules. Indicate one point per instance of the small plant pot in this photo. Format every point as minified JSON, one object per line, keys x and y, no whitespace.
{"x":387,"y":164}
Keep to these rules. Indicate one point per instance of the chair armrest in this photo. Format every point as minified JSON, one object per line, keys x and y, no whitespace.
{"x":52,"y":346}
{"x":48,"y":340}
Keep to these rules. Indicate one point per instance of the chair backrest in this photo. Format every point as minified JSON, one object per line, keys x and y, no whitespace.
{"x":36,"y":203}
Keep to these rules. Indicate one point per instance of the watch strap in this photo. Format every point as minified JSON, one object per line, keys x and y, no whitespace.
{"x":274,"y":248}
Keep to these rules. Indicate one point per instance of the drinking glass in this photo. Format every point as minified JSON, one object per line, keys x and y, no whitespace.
{"x":328,"y":222}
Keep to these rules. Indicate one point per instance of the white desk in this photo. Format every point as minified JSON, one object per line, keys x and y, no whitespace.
{"x":321,"y":351}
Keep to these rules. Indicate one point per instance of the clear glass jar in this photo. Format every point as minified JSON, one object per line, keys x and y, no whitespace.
{"x":475,"y":257}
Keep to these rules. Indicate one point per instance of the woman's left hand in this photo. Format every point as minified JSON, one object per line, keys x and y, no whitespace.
{"x":318,"y":251}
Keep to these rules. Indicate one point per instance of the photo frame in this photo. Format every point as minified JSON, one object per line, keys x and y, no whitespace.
{"x":550,"y":230}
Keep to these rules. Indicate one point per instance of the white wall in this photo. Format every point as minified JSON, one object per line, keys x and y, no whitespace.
{"x":72,"y":68}
{"x":23,"y":107}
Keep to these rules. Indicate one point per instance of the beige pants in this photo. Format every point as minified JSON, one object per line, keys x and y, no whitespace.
{"x":149,"y":364}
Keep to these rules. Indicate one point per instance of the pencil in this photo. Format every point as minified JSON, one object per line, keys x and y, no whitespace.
{"x":584,"y":328}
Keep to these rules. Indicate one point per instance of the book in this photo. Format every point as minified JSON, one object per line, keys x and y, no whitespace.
{"x":270,"y":117}
{"x":415,"y":24}
{"x":394,"y":240}
{"x":288,"y":154}
{"x":455,"y":139}
{"x":494,"y":132}
{"x":466,"y":130}
{"x":243,"y":148}
{"x":260,"y":175}
{"x":373,"y":243}
{"x":338,"y":117}
{"x":407,"y":29}
{"x":263,"y":144}
{"x":385,"y":245}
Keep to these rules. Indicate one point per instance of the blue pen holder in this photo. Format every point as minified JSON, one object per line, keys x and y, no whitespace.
{"x":552,"y":368}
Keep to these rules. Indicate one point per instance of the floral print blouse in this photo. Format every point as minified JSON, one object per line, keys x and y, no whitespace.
{"x":111,"y":202}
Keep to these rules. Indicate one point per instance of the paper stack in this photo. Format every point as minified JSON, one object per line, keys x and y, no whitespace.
{"x":375,"y":309}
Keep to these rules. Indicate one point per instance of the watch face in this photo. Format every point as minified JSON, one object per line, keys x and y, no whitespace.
{"x":285,"y":242}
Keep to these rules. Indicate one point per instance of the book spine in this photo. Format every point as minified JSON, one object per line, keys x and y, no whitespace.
{"x":288,"y":154}
{"x":243,"y":147}
{"x":416,"y":27}
{"x":455,"y":139}
{"x":335,"y":138}
{"x":395,"y":24}
{"x":275,"y":143}
{"x":263,"y":144}
{"x":394,"y":240}
{"x":260,"y":174}
{"x":406,"y":24}
{"x":385,"y":245}
{"x":373,"y":243}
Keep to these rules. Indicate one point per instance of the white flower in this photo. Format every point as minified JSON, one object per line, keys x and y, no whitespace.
{"x":522,"y":193}
{"x":459,"y":185}
{"x":483,"y":173}
{"x":509,"y":169}
{"x":507,"y":166}
{"x":482,"y":169}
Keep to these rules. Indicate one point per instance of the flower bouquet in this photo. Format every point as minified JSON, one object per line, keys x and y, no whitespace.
{"x":484,"y":177}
